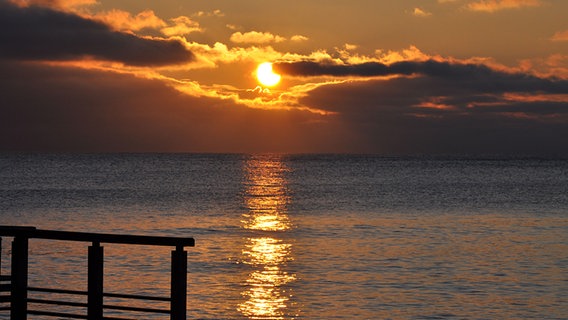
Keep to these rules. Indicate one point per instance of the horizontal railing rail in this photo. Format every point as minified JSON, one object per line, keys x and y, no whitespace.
{"x":33,"y":233}
{"x":16,"y":284}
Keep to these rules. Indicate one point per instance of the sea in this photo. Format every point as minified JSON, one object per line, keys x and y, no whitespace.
{"x":307,"y":236}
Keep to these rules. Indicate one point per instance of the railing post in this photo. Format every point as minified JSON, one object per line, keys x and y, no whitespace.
{"x":179,"y":284}
{"x":95,"y":282}
{"x":19,"y":292}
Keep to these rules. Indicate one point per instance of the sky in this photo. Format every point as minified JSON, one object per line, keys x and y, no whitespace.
{"x":407,"y":77}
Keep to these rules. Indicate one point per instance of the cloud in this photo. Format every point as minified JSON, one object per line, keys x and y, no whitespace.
{"x":125,"y":21}
{"x":467,"y":110}
{"x":350,"y":47}
{"x":560,"y":36}
{"x":55,"y":109}
{"x":298,"y":38}
{"x":412,"y":53}
{"x":498,"y":5}
{"x":39,"y":33}
{"x":121,"y":20}
{"x":473,"y":76}
{"x":419,"y":115}
{"x":442,"y":107}
{"x":420,"y":13}
{"x":214,"y":13}
{"x":477,"y":75}
{"x":57,"y":4}
{"x":367,"y":69}
{"x":181,"y":26}
{"x":255,"y":37}
{"x":212,"y":56}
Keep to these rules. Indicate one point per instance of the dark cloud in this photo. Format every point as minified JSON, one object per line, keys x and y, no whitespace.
{"x":40,"y":33}
{"x":54,"y":109}
{"x":430,"y":67}
{"x":473,"y":76}
{"x":453,"y":109}
{"x":45,"y":108}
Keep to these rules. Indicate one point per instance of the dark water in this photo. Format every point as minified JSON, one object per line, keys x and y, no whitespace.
{"x":308,"y":236}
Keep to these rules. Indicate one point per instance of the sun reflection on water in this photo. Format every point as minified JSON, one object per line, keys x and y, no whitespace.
{"x":266,"y":199}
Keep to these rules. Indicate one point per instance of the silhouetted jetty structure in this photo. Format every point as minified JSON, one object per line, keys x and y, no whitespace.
{"x":14,"y":288}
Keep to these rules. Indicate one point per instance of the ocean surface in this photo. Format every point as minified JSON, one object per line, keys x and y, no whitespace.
{"x":306,"y":236}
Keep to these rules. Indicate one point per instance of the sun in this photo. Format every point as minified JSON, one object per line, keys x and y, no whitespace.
{"x":266,"y":76}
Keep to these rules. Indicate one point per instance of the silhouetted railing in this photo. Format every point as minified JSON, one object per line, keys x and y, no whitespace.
{"x":14,"y":288}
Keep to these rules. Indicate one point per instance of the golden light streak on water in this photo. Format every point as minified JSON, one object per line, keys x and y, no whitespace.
{"x":266,"y":200}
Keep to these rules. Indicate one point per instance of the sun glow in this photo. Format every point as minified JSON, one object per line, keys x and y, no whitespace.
{"x":266,"y":76}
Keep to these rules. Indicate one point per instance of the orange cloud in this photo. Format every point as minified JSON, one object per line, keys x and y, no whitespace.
{"x":560,"y":36}
{"x":256,"y":37}
{"x":211,"y":56}
{"x":524,"y":97}
{"x":182,"y":26}
{"x":73,"y":6}
{"x":555,"y":65}
{"x":420,"y":13}
{"x":350,"y":47}
{"x":59,"y":4}
{"x":214,"y":13}
{"x":497,"y":5}
{"x":125,"y":21}
{"x":436,"y":103}
{"x":410,"y":54}
{"x":298,"y":38}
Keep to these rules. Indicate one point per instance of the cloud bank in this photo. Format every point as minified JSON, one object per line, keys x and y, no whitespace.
{"x":473,"y":76}
{"x":53,"y":109}
{"x":443,"y":107}
{"x":41,"y":33}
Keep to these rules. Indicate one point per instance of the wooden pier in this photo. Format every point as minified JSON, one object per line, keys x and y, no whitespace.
{"x":14,"y":288}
